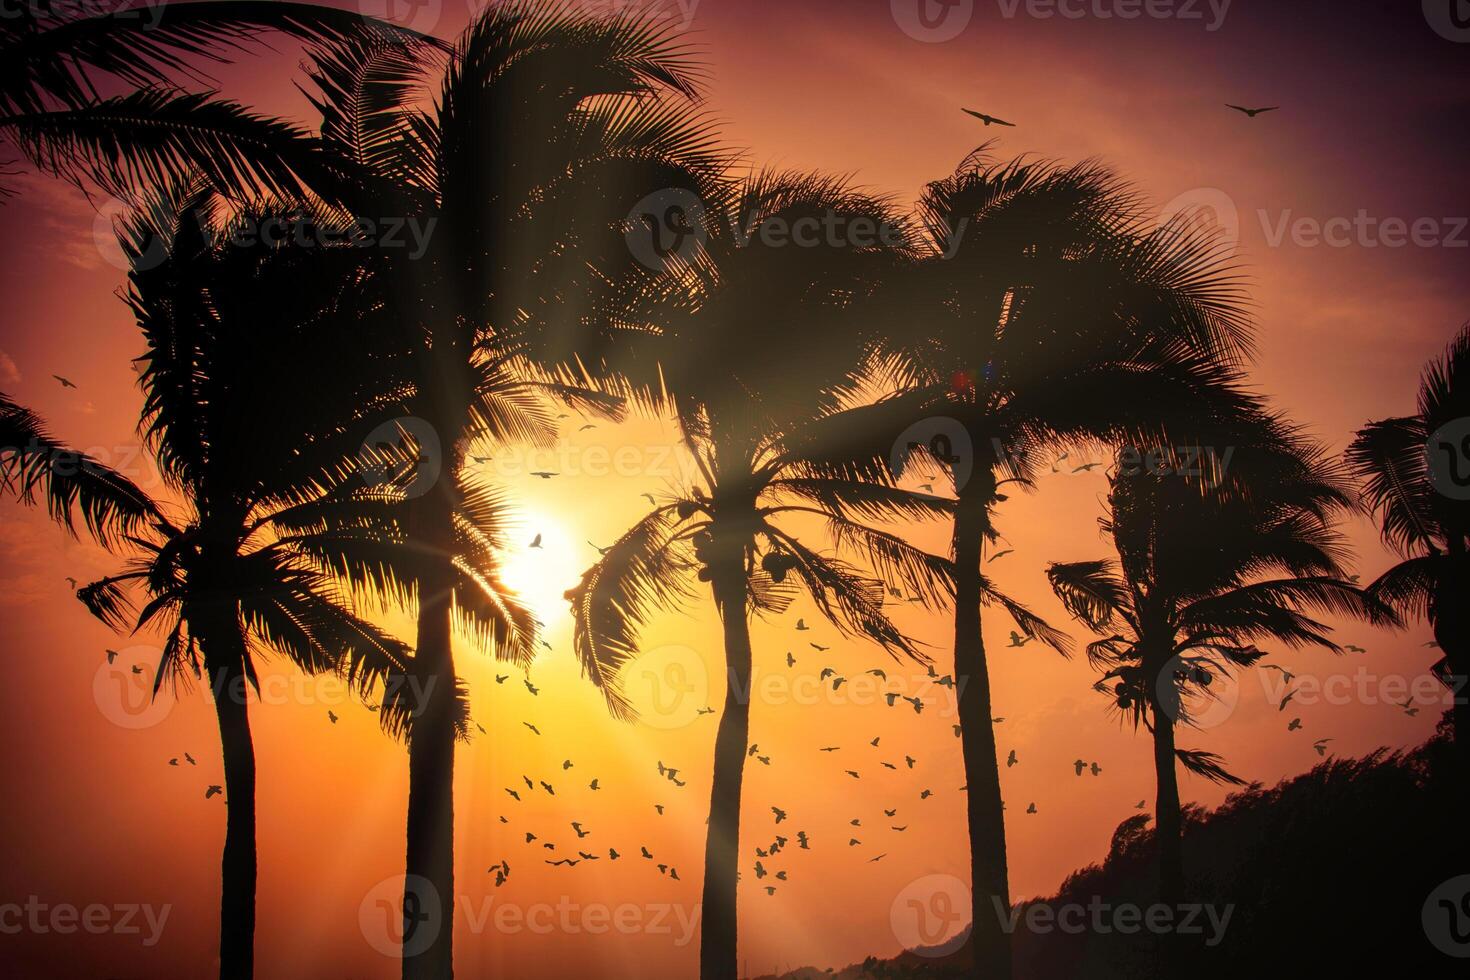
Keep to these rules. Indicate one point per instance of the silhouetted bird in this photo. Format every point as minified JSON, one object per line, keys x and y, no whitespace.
{"x":1253,"y":113}
{"x":989,"y":120}
{"x":536,"y":541}
{"x":1017,"y":640}
{"x":65,"y":383}
{"x":213,"y":790}
{"x":1011,"y":760}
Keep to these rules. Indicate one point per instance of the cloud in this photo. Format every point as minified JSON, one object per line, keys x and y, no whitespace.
{"x":9,"y":373}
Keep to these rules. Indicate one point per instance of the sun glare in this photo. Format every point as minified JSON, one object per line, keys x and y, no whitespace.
{"x":546,"y":557}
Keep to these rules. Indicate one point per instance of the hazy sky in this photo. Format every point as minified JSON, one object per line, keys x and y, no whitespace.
{"x":1350,"y":203}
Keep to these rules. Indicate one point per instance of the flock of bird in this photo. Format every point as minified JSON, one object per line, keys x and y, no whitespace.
{"x":768,"y":860}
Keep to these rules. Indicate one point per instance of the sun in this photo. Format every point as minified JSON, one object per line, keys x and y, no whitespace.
{"x":545,"y":557}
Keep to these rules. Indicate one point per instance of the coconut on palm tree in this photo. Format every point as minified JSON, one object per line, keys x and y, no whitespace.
{"x":1415,"y":473}
{"x":1210,"y":562}
{"x":221,"y":569}
{"x":757,"y":338}
{"x":541,"y":120}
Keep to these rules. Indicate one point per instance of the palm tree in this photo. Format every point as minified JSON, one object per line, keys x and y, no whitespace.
{"x":59,"y":62}
{"x":543,"y":118}
{"x":228,"y":329}
{"x":33,"y":464}
{"x":1206,"y":569}
{"x":1049,"y":314}
{"x":1413,"y":479}
{"x":756,"y":339}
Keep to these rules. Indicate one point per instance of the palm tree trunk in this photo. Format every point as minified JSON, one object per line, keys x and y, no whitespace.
{"x":428,"y":887}
{"x":1167,"y":812}
{"x":237,"y":867}
{"x":718,"y":924}
{"x":990,"y":900}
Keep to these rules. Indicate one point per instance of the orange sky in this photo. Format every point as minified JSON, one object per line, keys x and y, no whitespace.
{"x":1373,"y":120}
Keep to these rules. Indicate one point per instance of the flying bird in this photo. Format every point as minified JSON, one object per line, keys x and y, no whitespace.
{"x":544,"y":474}
{"x":332,"y":716}
{"x":213,"y":790}
{"x":1017,"y":640}
{"x":801,"y":626}
{"x":536,"y":541}
{"x":1253,"y":113}
{"x":989,"y":120}
{"x":65,"y":383}
{"x":1321,"y":746}
{"x":533,"y":728}
{"x":1011,"y":759}
{"x":1001,"y":554}
{"x":1296,"y":724}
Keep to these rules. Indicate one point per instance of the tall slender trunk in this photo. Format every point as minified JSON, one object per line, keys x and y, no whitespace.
{"x":428,"y":888}
{"x":1450,"y":620}
{"x":237,"y":867}
{"x":718,"y":933}
{"x":1169,"y":820}
{"x":990,"y":900}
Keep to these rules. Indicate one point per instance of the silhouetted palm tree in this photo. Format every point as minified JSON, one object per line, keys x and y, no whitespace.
{"x":1416,"y":477}
{"x":1047,"y":313}
{"x":756,"y":338}
{"x":33,"y":464}
{"x":60,"y":60}
{"x":230,"y":329}
{"x":1208,"y":565}
{"x":520,"y":173}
